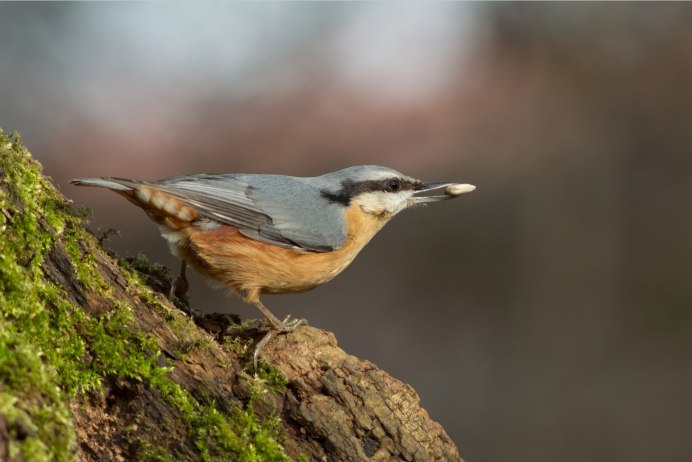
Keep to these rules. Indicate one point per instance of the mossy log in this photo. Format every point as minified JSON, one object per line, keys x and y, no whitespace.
{"x":97,"y":364}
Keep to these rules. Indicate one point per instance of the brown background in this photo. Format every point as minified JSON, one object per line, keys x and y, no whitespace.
{"x":546,"y":316}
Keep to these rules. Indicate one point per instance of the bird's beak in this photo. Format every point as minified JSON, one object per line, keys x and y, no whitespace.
{"x":440,"y":191}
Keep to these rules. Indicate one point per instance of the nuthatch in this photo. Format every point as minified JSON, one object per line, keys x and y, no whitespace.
{"x":274,"y":234}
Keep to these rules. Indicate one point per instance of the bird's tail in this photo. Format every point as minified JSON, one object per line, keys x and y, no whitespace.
{"x":116,"y":184}
{"x":161,"y":206}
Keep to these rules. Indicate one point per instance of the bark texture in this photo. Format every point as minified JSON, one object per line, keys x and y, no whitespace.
{"x":339,"y":407}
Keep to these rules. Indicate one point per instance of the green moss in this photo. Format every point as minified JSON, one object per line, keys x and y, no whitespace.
{"x":242,"y":437}
{"x":265,"y":374}
{"x":35,"y":399}
{"x":51,"y":350}
{"x":142,"y":265}
{"x":269,"y":375}
{"x":150,"y":453}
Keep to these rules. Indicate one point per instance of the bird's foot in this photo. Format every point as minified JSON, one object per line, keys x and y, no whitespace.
{"x":258,"y":349}
{"x":287,"y":325}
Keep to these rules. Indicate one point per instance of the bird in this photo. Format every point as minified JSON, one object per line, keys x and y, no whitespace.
{"x":274,"y":234}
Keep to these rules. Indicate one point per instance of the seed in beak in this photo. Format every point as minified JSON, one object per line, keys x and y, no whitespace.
{"x":458,"y":189}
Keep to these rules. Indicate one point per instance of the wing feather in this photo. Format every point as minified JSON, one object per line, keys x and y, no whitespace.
{"x":281,"y":210}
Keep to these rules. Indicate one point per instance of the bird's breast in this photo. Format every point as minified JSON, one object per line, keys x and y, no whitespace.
{"x":225,"y":254}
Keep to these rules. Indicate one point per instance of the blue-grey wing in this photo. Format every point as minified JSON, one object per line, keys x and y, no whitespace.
{"x":280,"y":210}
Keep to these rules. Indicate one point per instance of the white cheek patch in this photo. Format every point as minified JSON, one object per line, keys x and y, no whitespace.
{"x":379,"y":202}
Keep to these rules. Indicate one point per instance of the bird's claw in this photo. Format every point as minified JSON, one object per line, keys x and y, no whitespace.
{"x":268,"y":336}
{"x":289,"y":324}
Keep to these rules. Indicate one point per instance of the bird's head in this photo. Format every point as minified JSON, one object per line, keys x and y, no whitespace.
{"x":384,"y":192}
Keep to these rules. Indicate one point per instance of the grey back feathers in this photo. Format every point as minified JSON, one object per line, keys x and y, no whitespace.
{"x":280,"y":210}
{"x":289,"y":211}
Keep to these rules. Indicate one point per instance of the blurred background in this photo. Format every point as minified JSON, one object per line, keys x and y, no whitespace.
{"x":546,"y":316}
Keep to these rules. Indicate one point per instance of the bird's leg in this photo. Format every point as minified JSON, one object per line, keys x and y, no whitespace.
{"x":287,"y":325}
{"x":276,"y":326}
{"x":180,"y":285}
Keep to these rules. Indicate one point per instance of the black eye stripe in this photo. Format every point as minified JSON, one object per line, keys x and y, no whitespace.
{"x":378,"y":185}
{"x":350,"y":189}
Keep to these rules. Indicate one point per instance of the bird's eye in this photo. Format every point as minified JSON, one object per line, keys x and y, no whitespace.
{"x":393,"y":185}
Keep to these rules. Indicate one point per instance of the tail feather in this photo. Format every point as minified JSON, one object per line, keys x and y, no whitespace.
{"x":117,"y":184}
{"x":162,"y":207}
